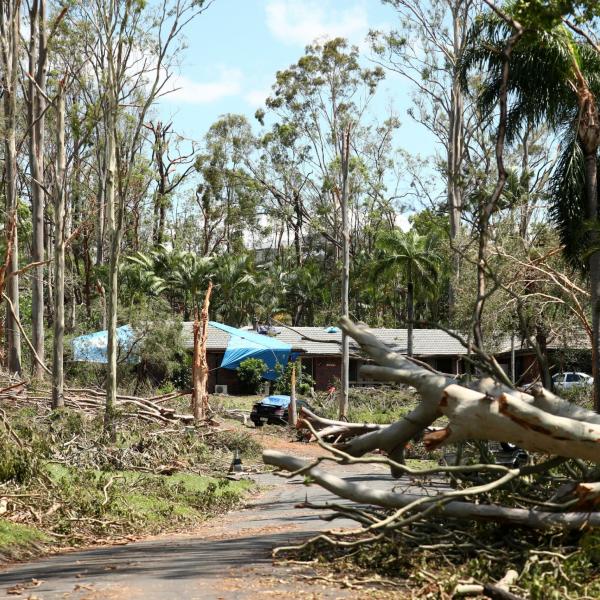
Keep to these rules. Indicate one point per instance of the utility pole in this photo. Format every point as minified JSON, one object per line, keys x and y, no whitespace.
{"x":345,"y":375}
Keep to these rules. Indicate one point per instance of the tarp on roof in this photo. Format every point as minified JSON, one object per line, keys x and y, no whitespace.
{"x":93,"y":347}
{"x":245,"y":344}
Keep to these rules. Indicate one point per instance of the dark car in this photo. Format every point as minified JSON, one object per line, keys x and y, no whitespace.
{"x":273,"y":410}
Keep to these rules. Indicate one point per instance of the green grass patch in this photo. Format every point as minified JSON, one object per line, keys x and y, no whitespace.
{"x":15,"y":538}
{"x":143,"y":502}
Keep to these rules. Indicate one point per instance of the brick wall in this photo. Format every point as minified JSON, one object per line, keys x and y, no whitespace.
{"x":218,"y":376}
{"x":327,"y":370}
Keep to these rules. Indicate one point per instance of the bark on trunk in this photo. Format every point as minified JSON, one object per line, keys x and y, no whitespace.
{"x":38,"y":53}
{"x":200,"y":364}
{"x":345,"y":374}
{"x":9,"y":30}
{"x":455,"y":149}
{"x":114,"y":232}
{"x":507,"y":418}
{"x":292,"y":412}
{"x":410,"y":314}
{"x":58,"y":400}
{"x":591,"y":192}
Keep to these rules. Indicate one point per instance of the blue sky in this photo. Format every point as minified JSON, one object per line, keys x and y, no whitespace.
{"x":236,"y":46}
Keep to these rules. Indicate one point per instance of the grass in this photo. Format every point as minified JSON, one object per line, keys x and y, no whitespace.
{"x":16,"y":539}
{"x":144,"y":502}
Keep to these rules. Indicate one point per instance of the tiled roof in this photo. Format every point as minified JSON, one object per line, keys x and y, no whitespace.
{"x":567,"y":339}
{"x":317,"y":341}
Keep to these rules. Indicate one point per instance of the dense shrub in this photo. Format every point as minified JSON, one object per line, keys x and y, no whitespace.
{"x":250,"y":373}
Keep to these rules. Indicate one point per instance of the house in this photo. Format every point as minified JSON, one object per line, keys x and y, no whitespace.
{"x":319,"y":349}
{"x":567,"y":350}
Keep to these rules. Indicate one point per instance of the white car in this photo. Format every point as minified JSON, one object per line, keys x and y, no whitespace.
{"x":566,"y":381}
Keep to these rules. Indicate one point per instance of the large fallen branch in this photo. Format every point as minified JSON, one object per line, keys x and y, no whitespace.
{"x":367,"y":494}
{"x":539,"y":421}
{"x":508,"y":418}
{"x":536,"y":420}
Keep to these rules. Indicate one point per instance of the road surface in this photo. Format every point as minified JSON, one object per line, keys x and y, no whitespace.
{"x":227,"y":558}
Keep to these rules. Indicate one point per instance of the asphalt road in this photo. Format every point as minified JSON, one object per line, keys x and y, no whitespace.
{"x":227,"y":558}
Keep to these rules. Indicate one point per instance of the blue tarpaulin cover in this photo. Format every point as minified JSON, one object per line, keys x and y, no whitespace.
{"x":92,"y":347}
{"x":249,"y":344}
{"x":282,"y":401}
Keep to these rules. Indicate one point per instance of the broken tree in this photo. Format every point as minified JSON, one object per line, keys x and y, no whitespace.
{"x":540,"y":422}
{"x":199,"y":363}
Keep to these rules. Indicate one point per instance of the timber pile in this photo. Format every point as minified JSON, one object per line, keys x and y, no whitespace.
{"x":147,"y":409}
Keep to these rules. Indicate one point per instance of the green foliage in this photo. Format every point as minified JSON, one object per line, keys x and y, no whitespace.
{"x":250,"y":373}
{"x":17,"y":465}
{"x":283,"y":385}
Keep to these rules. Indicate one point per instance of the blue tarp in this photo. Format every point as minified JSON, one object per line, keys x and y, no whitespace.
{"x":92,"y":347}
{"x":249,"y":344}
{"x":282,"y":401}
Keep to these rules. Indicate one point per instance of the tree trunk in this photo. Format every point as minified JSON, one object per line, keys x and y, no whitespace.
{"x":114,"y":232}
{"x":345,"y":375}
{"x":9,"y":29}
{"x":455,"y":150}
{"x":38,"y":53}
{"x":200,"y":364}
{"x":58,"y":400}
{"x":591,"y":191}
{"x":101,"y":206}
{"x":410,"y":315}
{"x":292,"y":412}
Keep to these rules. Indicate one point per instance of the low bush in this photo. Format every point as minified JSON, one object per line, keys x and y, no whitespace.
{"x":250,"y":373}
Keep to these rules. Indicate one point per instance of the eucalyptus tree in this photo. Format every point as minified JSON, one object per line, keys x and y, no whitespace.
{"x":10,"y":22}
{"x":313,"y":103}
{"x":173,"y":166}
{"x":226,"y":195}
{"x":321,"y":100}
{"x":38,"y":64}
{"x":426,"y":49}
{"x":130,"y":47}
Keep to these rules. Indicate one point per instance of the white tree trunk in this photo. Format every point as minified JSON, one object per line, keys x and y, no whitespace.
{"x":58,"y":399}
{"x":9,"y":34}
{"x":38,"y":52}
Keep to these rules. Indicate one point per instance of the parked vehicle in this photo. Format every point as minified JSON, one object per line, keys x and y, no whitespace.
{"x":571,"y":379}
{"x":273,"y":410}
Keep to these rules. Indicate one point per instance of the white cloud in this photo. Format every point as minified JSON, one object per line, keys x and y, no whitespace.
{"x":256,"y":98}
{"x":294,"y":22}
{"x":402,"y":222}
{"x":184,"y":90}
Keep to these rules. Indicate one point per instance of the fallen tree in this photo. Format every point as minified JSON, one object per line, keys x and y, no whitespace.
{"x":556,"y":432}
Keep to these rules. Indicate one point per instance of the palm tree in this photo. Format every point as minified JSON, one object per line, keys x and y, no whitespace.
{"x":189,"y":277}
{"x":554,"y":80}
{"x":236,"y":284}
{"x":408,"y":257}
